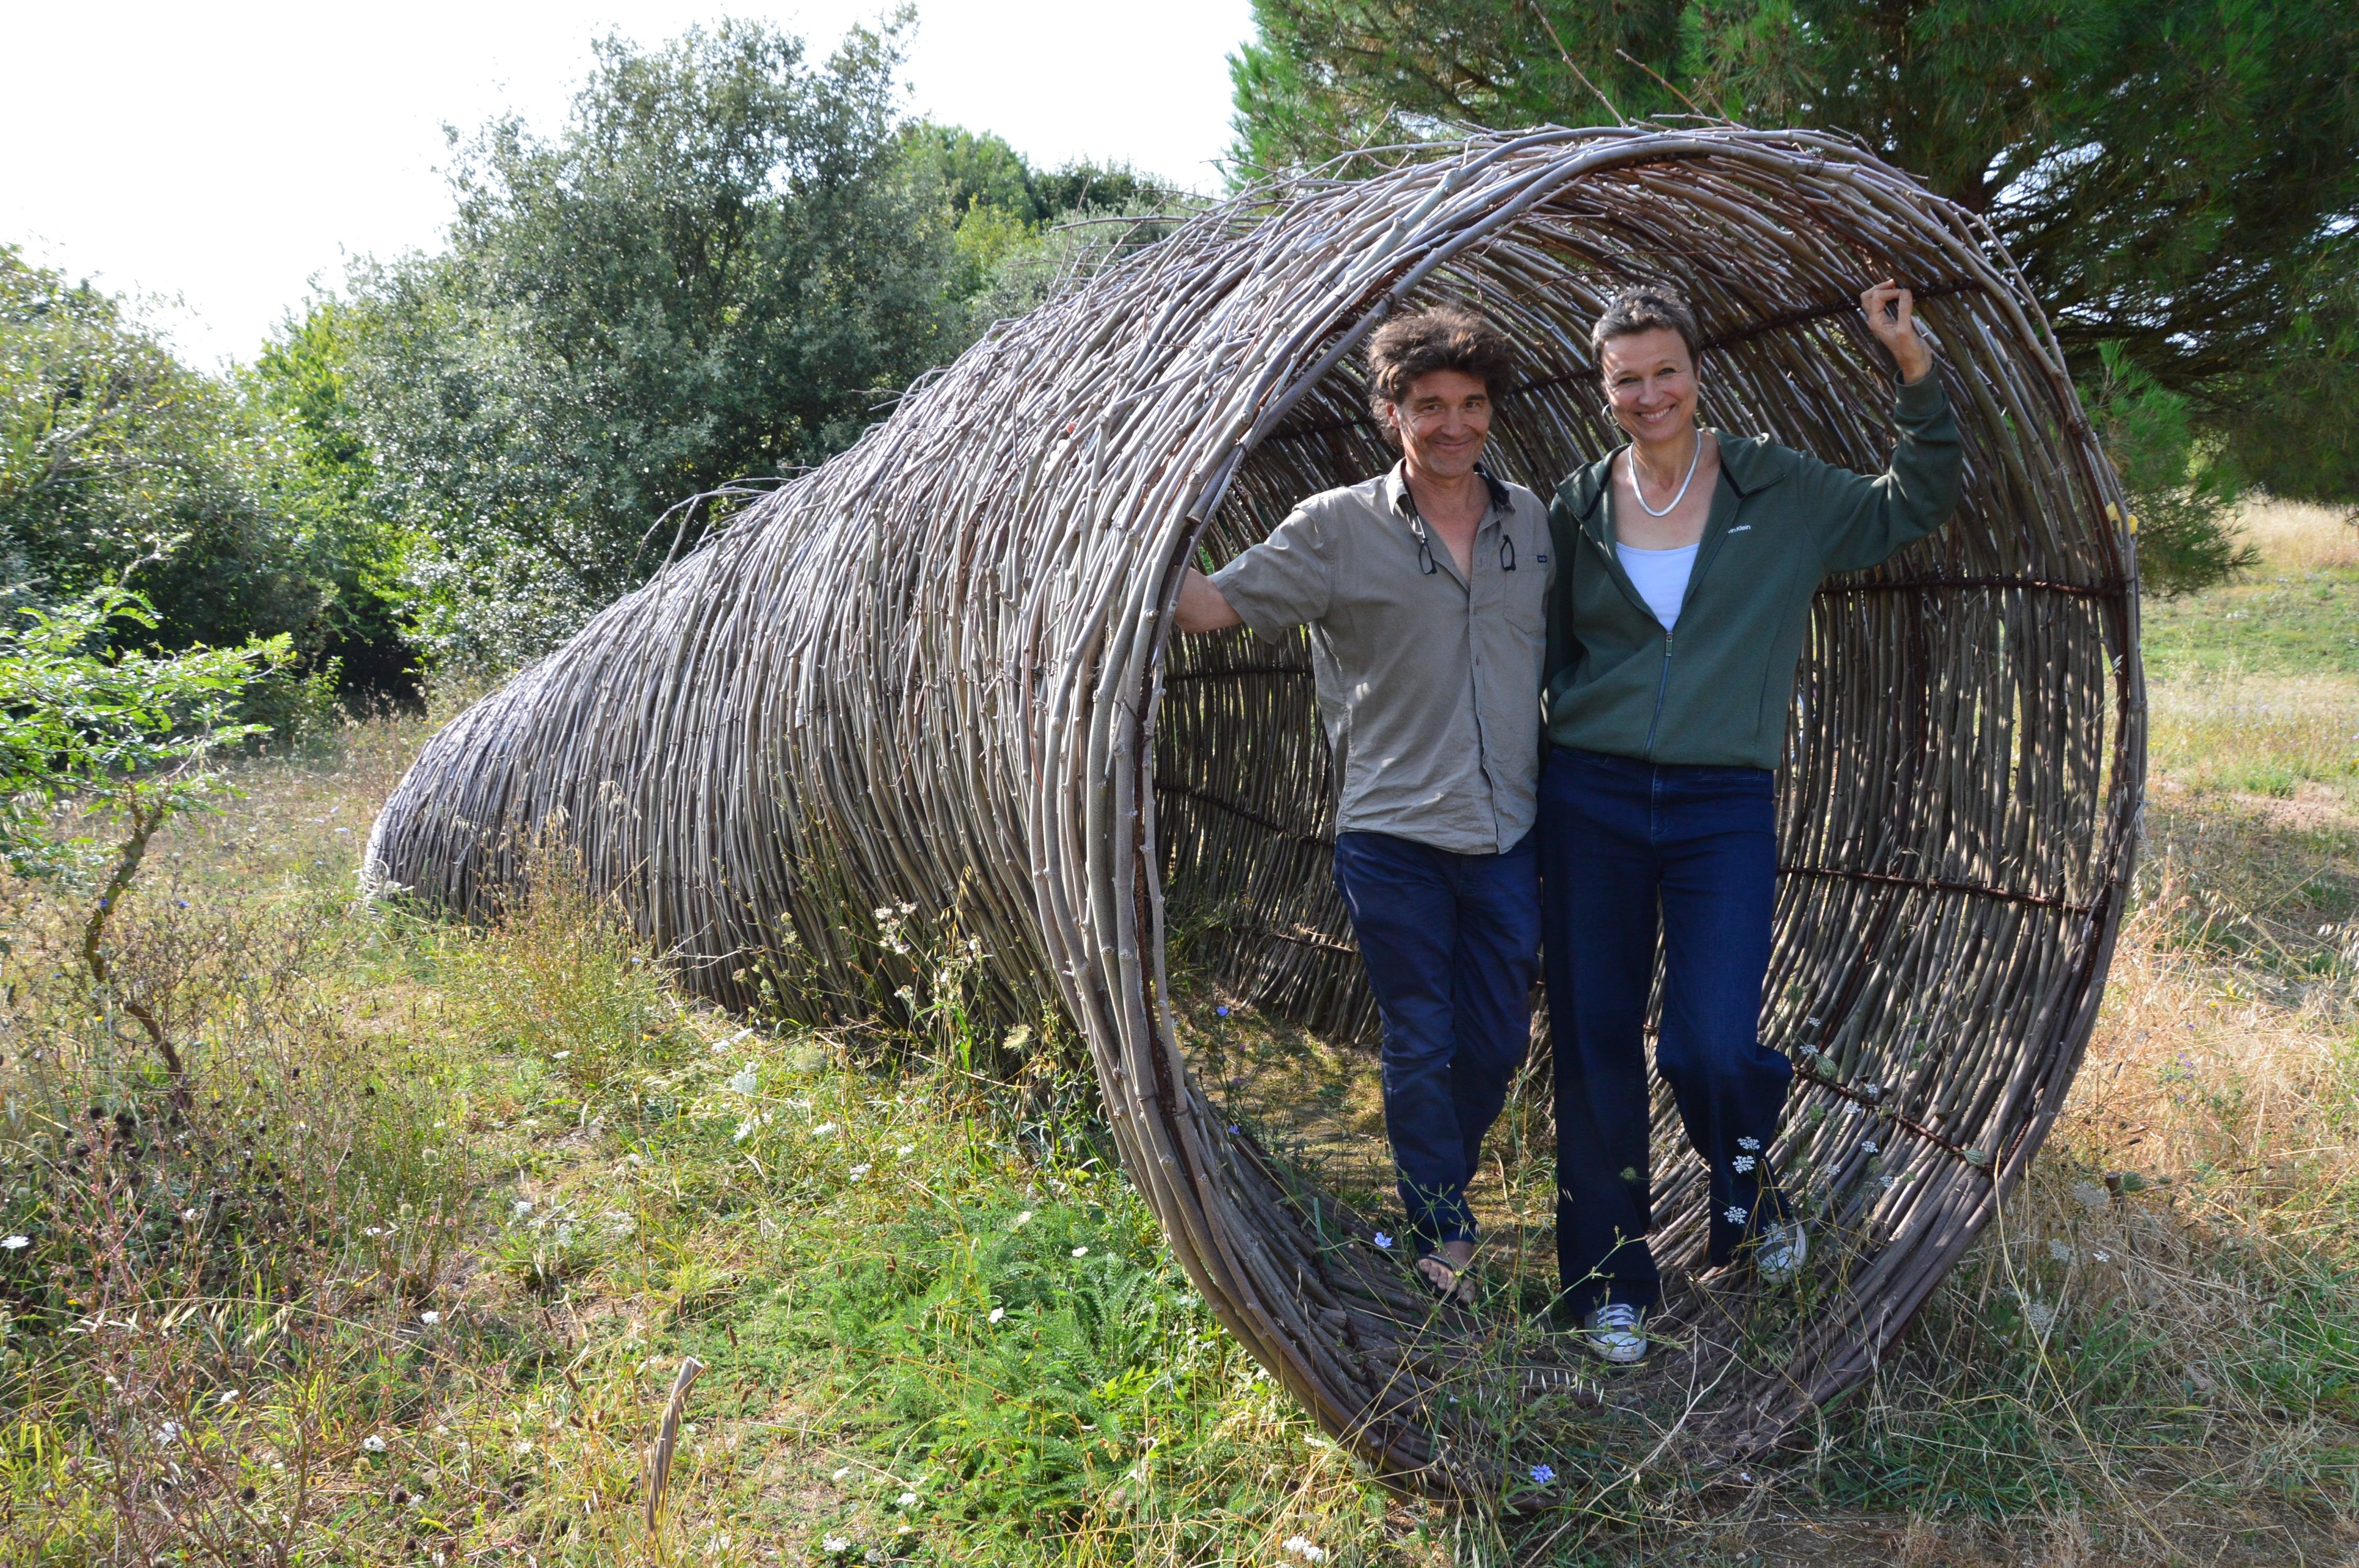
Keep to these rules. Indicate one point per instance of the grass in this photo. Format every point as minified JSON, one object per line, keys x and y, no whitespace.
{"x":412,"y":1278}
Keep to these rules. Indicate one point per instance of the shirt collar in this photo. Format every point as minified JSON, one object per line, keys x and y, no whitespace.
{"x":1396,"y":496}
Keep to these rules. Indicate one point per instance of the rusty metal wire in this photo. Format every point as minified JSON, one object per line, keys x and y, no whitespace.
{"x":937,"y":673}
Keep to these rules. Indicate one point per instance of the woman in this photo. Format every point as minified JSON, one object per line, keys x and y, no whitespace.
{"x":1686,"y":565}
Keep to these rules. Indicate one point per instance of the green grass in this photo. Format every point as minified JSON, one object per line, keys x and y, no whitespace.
{"x":2283,"y":622}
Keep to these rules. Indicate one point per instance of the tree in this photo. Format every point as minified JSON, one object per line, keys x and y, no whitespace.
{"x":718,"y":271}
{"x":2178,"y":177}
{"x":117,"y":460}
{"x":92,"y":736}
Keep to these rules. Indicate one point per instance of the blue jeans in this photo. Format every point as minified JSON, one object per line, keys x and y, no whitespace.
{"x":1622,"y":840}
{"x":1451,"y":944}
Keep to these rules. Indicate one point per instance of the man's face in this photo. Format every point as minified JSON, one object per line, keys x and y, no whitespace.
{"x":1443,"y":420}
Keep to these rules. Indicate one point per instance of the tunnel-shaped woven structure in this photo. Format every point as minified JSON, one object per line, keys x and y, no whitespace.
{"x":937,"y":672}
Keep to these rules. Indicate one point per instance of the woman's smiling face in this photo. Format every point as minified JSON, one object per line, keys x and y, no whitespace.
{"x":1650,"y":383}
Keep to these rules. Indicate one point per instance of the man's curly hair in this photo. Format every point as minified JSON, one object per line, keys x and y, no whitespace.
{"x":1441,"y":338}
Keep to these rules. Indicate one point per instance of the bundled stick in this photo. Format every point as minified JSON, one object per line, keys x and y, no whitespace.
{"x":937,"y":673}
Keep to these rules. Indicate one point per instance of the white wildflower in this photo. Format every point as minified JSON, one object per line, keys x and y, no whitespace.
{"x":1752,"y":1143}
{"x":1733,"y":1214}
{"x":188,"y":1216}
{"x":371,"y":1230}
{"x":2093,"y":1196}
{"x":857,"y":1171}
{"x":909,"y":1499}
{"x":559,"y":1056}
{"x":1025,"y":1219}
{"x":1743,"y":1163}
{"x":168,"y":1434}
{"x":998,"y":1313}
{"x":2061,"y":1251}
{"x":1888,"y":1182}
{"x":1302,"y":1546}
{"x":523,"y":1207}
{"x":745,"y":1080}
{"x":834,"y":1545}
{"x":904,"y":1152}
{"x":1080,"y":1251}
{"x":2041,"y":1316}
{"x":226,"y":1397}
{"x":840,"y":1475}
{"x":1868,"y":1145}
{"x":430,"y":1318}
{"x":2102,"y":1257}
{"x":822,"y":1129}
{"x":745,"y":1129}
{"x":373,"y":1443}
{"x":15,"y":1243}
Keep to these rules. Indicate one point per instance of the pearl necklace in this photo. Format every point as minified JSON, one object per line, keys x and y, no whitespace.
{"x":1640,"y":491}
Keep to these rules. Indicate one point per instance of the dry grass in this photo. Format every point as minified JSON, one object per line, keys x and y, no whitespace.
{"x":2297,"y":536}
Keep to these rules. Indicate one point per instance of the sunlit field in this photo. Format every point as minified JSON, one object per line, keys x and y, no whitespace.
{"x":412,"y":1274}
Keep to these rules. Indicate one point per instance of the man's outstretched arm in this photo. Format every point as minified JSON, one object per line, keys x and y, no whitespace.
{"x":1202,"y":608}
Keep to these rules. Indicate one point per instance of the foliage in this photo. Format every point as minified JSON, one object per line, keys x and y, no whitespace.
{"x":2179,"y":178}
{"x":2182,"y":502}
{"x":715,"y":272}
{"x":325,"y":484}
{"x":115,"y":460}
{"x":91,"y":737}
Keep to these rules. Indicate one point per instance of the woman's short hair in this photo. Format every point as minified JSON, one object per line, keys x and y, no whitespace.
{"x":1441,"y":338}
{"x":1645,"y":307}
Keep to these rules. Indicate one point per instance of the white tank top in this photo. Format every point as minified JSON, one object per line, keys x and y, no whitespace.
{"x":1660,"y":577}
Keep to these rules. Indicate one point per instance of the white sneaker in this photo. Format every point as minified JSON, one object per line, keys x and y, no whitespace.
{"x":1616,"y":1332}
{"x":1780,"y":1254}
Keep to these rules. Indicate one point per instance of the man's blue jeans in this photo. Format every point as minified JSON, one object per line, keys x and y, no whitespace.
{"x":1620,"y":840}
{"x":1450,"y":943}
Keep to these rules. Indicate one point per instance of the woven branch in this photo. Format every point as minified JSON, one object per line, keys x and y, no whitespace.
{"x":938,"y":672}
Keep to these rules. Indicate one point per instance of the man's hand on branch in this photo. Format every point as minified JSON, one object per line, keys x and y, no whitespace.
{"x":1891,"y":312}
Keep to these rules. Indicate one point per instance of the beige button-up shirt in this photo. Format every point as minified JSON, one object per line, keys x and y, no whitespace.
{"x":1428,"y":682}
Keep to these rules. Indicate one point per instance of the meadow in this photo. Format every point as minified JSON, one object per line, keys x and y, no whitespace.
{"x":409,"y":1272}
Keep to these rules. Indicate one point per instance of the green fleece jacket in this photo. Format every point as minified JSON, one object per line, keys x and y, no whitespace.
{"x":1715,"y":690}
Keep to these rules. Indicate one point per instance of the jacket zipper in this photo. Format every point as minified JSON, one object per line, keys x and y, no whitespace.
{"x":1661,"y":686}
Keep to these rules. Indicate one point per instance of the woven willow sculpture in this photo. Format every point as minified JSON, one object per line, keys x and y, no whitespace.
{"x":939,"y":673}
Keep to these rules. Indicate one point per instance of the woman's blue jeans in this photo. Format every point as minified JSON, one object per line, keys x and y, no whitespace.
{"x":1450,"y":943}
{"x":1629,"y":848}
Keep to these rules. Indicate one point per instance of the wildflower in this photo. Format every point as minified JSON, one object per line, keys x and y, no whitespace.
{"x":15,"y":1243}
{"x":998,"y":1313}
{"x":226,"y":1397}
{"x":373,"y":1443}
{"x":523,"y":1207}
{"x":1543,"y":1475}
{"x":857,"y":1171}
{"x":1024,"y":1218}
{"x":1080,"y":1251}
{"x":904,"y":1152}
{"x":745,"y":1080}
{"x":1302,"y":1546}
{"x":909,"y":1499}
{"x":2102,"y":1257}
{"x":1752,"y":1143}
{"x":2092,"y":1195}
{"x":1888,"y":1182}
{"x":430,"y":1318}
{"x":745,"y":1129}
{"x":822,"y":1129}
{"x":1237,"y":1127}
{"x":1868,"y":1145}
{"x":1743,"y":1163}
{"x":168,"y":1434}
{"x":840,"y":1475}
{"x":183,"y":903}
{"x":1735,"y":1215}
{"x":1384,"y":1241}
{"x":371,"y":1230}
{"x":2041,"y":1317}
{"x":1220,"y":1011}
{"x":834,"y":1545}
{"x":559,"y":1056}
{"x":2058,"y":1250}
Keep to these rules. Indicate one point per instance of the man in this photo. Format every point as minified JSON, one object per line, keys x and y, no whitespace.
{"x":1426,"y":594}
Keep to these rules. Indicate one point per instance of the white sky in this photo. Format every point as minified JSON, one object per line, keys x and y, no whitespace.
{"x":228,"y":154}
